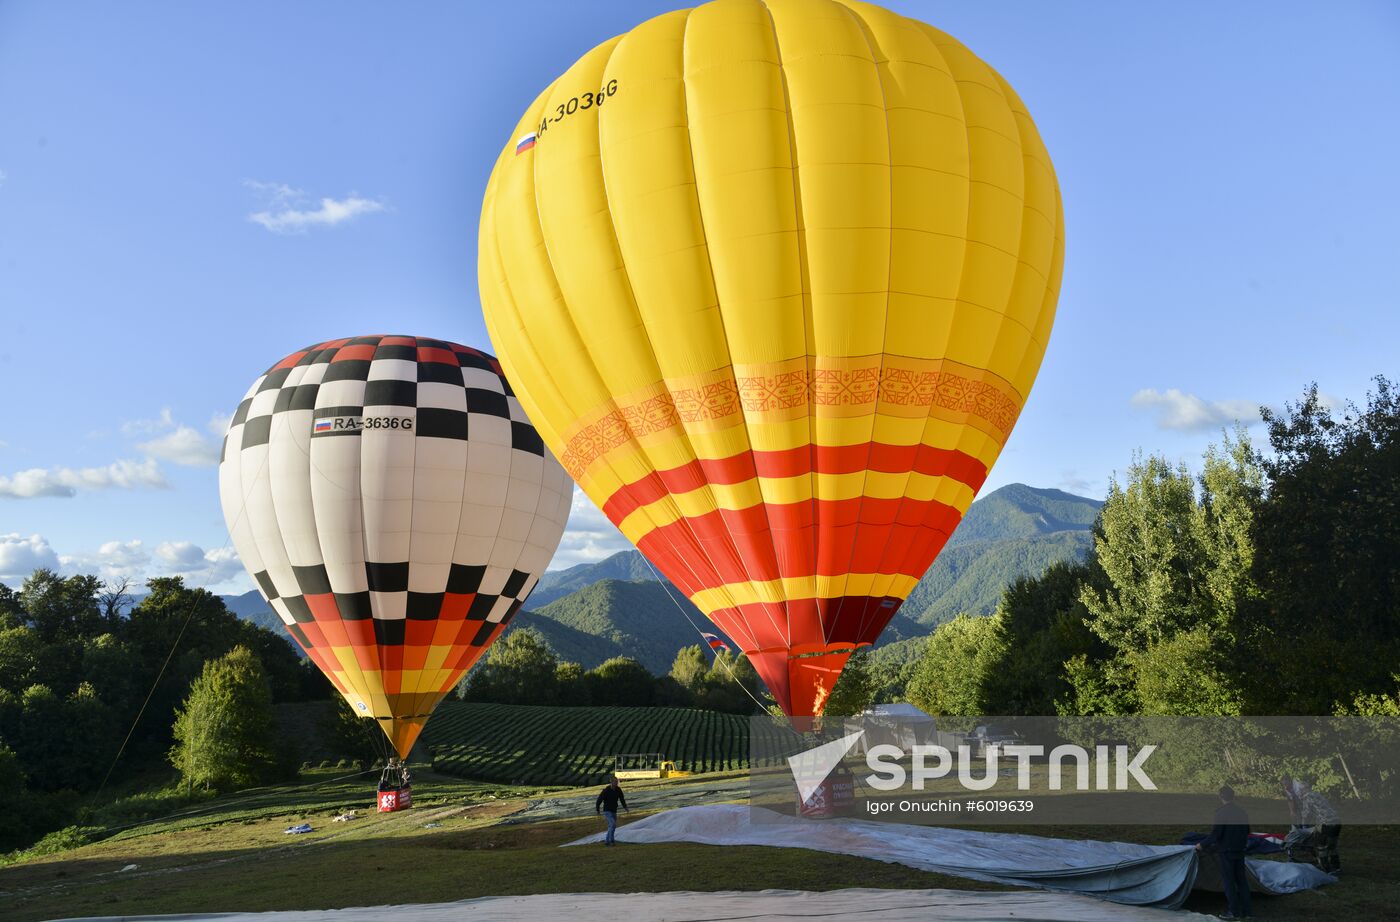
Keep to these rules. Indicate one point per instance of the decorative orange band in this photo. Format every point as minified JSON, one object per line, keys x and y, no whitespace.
{"x":912,"y":385}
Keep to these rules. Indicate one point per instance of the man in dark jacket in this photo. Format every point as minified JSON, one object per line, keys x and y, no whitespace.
{"x":607,"y":802}
{"x":1229,"y":837}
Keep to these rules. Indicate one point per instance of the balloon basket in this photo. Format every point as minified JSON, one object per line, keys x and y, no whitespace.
{"x":835,"y":796}
{"x":395,"y":790}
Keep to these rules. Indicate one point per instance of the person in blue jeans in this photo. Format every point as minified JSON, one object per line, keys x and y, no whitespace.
{"x":607,"y":803}
{"x":1229,"y":837}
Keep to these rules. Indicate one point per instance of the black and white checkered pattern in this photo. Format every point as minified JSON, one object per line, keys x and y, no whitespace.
{"x":388,"y":522}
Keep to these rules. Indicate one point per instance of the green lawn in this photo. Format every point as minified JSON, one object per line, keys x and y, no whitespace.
{"x":236,"y":857}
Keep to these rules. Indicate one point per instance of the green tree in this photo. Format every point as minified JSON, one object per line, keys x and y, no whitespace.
{"x":621,"y":682}
{"x":1373,"y":705}
{"x":731,"y":685}
{"x":1177,"y":558}
{"x":63,"y":608}
{"x":572,"y":683}
{"x":519,"y":669}
{"x":224,"y":731}
{"x":20,"y":650}
{"x":1327,"y":545}
{"x":1042,"y":623}
{"x":691,"y":668}
{"x":951,"y":677}
{"x":855,"y":689}
{"x":14,"y":809}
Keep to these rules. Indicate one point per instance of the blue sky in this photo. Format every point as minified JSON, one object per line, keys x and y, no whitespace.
{"x":190,"y":191}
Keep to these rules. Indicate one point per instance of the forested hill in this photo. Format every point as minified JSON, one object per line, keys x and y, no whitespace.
{"x":1012,"y":532}
{"x":616,"y":607}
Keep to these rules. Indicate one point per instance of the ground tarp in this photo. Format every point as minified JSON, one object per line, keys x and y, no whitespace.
{"x":864,"y":905}
{"x":1122,"y":872}
{"x":1137,"y":875}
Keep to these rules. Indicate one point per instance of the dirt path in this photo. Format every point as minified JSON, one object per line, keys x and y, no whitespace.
{"x":655,"y":796}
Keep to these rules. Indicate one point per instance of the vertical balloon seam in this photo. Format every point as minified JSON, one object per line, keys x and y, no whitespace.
{"x":1022,"y":117}
{"x":786,"y":628}
{"x":921,"y":560}
{"x":367,"y":688}
{"x":364,"y":684}
{"x":932,"y":36}
{"x":276,"y":434}
{"x":584,"y":340}
{"x":836,"y":604}
{"x":414,"y":696}
{"x":884,"y":334}
{"x":808,"y":318}
{"x":280,"y":431}
{"x":1028,"y":152}
{"x":507,"y":294}
{"x":265,"y":467}
{"x":456,"y":537}
{"x":374,"y":602}
{"x":895,"y":558}
{"x":920,"y":544}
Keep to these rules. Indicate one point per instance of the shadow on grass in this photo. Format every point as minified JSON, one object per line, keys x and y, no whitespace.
{"x":428,"y":866}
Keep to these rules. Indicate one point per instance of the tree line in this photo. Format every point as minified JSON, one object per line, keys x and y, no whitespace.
{"x":77,"y":663}
{"x":1268,"y":583}
{"x":522,"y":669}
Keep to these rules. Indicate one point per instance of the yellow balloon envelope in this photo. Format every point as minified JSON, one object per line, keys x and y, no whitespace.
{"x":773,"y":280}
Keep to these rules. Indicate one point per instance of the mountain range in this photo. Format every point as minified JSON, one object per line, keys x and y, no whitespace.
{"x":620,"y":607}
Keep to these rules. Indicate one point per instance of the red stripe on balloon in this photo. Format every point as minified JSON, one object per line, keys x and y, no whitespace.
{"x":771,"y":541}
{"x":796,"y":462}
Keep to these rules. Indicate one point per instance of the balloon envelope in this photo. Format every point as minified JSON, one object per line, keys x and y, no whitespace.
{"x":395,"y":507}
{"x":774,"y":281}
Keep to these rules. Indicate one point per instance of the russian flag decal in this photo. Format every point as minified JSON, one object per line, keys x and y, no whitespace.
{"x":525,"y":143}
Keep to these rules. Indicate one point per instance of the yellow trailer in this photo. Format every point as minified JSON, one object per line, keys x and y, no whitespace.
{"x":645,"y":766}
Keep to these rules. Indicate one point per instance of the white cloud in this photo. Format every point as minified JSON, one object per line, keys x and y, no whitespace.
{"x":20,"y":556}
{"x":184,"y":446}
{"x":290,"y":211}
{"x":1331,"y":402}
{"x":176,"y":442}
{"x":165,"y":421}
{"x":67,"y":481}
{"x":1071,"y":481}
{"x":589,"y":537}
{"x":113,"y":562}
{"x":218,"y":424}
{"x":198,"y":566}
{"x":1177,"y":409}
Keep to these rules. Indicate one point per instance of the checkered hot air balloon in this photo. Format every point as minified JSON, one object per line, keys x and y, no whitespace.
{"x":774,"y":280}
{"x":395,"y":507}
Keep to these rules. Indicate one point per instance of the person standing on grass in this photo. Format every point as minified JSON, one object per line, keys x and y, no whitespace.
{"x":607,"y":802}
{"x":1229,"y":837}
{"x":1327,"y":827}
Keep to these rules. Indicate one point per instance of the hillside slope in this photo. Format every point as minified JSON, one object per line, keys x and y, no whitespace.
{"x":616,"y":607}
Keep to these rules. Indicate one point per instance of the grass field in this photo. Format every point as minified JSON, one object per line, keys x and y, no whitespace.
{"x":558,"y":745}
{"x":451,"y":846}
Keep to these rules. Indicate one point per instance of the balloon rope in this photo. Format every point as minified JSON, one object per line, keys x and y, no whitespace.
{"x":200,"y":593}
{"x":665,"y":584}
{"x":199,"y":597}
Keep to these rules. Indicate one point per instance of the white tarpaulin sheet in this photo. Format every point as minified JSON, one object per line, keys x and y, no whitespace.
{"x":860,"y":905}
{"x":1141,"y":875}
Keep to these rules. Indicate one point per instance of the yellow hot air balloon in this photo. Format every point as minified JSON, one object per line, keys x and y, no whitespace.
{"x":773,"y":280}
